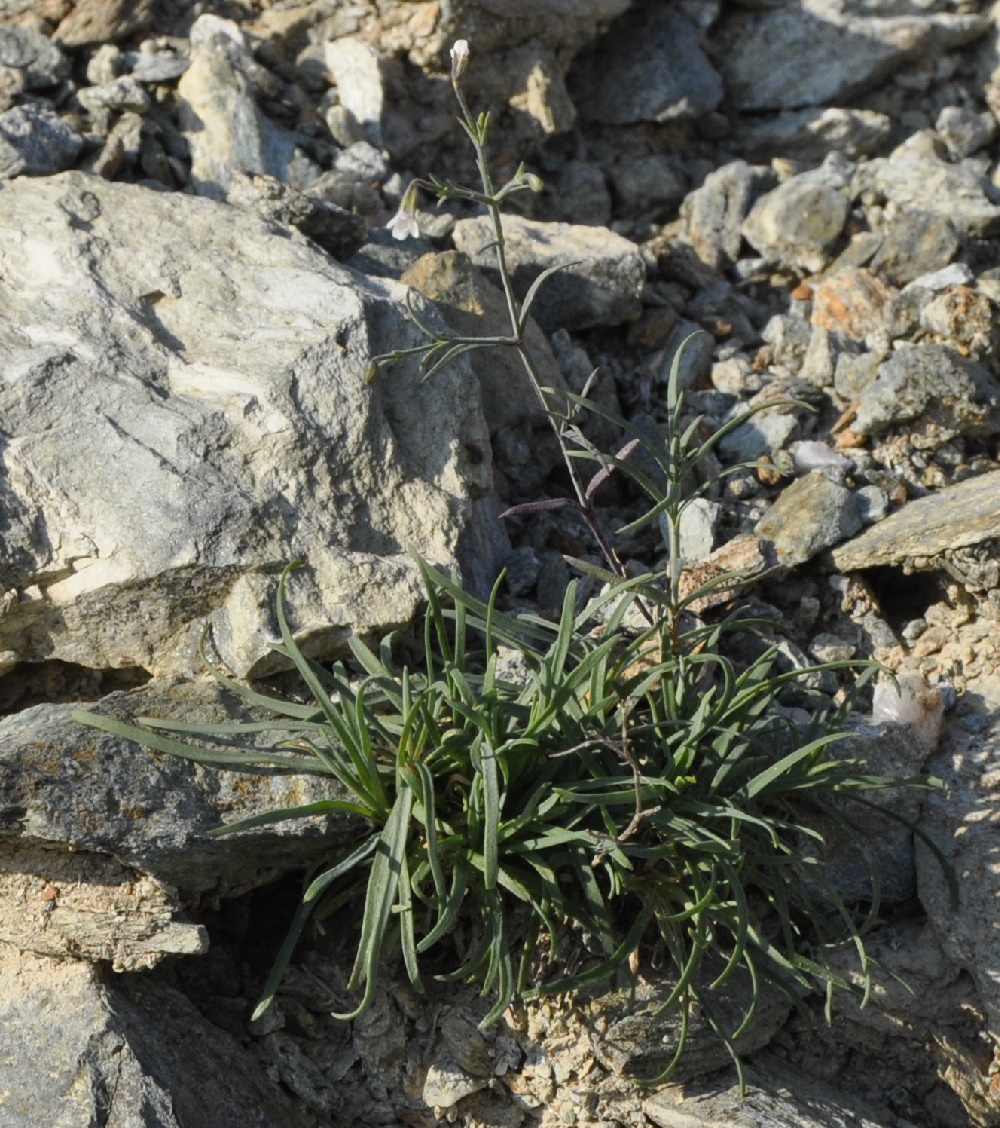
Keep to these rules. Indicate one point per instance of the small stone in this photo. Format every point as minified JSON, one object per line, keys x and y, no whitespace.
{"x":446,"y":1084}
{"x":854,"y":373}
{"x":12,"y":85}
{"x":155,"y":68}
{"x":957,"y":274}
{"x":851,"y":303}
{"x":583,"y":194}
{"x":922,"y":182}
{"x":650,"y":186}
{"x":927,"y":387}
{"x":122,"y":94}
{"x":357,"y":73}
{"x":106,"y":64}
{"x":873,"y":504}
{"x":831,"y":648}
{"x":810,"y":515}
{"x":601,"y":281}
{"x":218,"y":113}
{"x":651,"y":68}
{"x":102,"y":21}
{"x":798,"y":222}
{"x":965,"y":131}
{"x":35,"y":141}
{"x":914,"y":243}
{"x":962,"y":316}
{"x":521,"y":569}
{"x":761,"y":436}
{"x":712,"y":216}
{"x":697,"y":530}
{"x":471,"y":305}
{"x":39,"y":60}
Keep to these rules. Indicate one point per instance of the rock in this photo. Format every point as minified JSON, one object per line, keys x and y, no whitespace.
{"x":99,"y":21}
{"x":873,"y":504}
{"x":925,"y":530}
{"x":339,"y":232}
{"x":539,"y":88}
{"x":89,"y":907}
{"x":356,"y":72}
{"x":712,"y":216}
{"x":890,"y":751}
{"x":854,"y":374}
{"x":917,"y":182}
{"x":121,"y":149}
{"x":960,"y":824}
{"x":34,"y":141}
{"x":131,"y":815}
{"x":760,"y":437}
{"x":471,"y":305}
{"x":602,"y":277}
{"x":851,"y":303}
{"x":39,"y":60}
{"x":155,"y":68}
{"x":583,"y":194}
{"x":697,"y":530}
{"x":792,"y":56}
{"x":776,"y":1097}
{"x":965,"y":318}
{"x":651,"y":68}
{"x":221,"y":372}
{"x":120,"y":95}
{"x":132,"y":1052}
{"x":447,"y":1084}
{"x":650,"y":186}
{"x":809,"y":515}
{"x":798,"y":222}
{"x":637,"y":1040}
{"x":219,"y":118}
{"x":932,"y":390}
{"x":813,"y":133}
{"x":964,"y":131}
{"x":914,"y":243}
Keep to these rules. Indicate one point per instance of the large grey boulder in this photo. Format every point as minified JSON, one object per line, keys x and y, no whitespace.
{"x":185,"y":409}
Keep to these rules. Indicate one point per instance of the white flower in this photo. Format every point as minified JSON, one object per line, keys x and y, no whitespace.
{"x":403,"y":225}
{"x":459,"y":58}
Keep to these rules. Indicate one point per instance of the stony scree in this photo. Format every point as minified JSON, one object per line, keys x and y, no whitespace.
{"x":811,"y":185}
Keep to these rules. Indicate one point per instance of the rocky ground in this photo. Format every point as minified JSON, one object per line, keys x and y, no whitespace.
{"x":816,"y":185}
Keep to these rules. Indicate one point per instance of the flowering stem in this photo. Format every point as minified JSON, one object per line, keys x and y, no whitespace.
{"x":477,"y":135}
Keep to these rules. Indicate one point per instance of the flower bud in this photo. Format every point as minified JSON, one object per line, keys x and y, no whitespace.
{"x":459,"y":58}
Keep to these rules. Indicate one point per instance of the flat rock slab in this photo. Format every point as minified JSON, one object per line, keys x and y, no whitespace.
{"x":67,"y":787}
{"x":186,"y":410}
{"x":602,"y":273}
{"x":955,"y":517}
{"x":89,"y":907}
